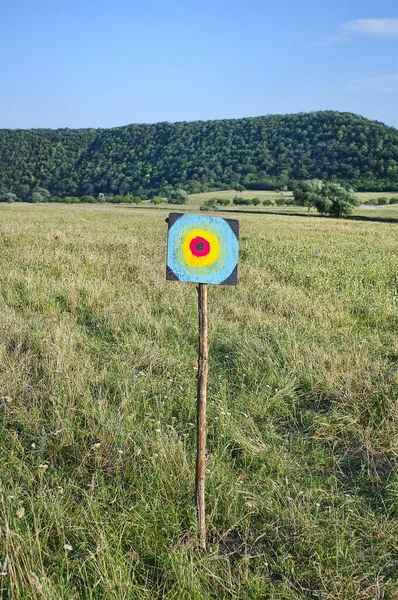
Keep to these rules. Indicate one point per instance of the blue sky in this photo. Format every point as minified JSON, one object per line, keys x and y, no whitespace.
{"x":103,"y":63}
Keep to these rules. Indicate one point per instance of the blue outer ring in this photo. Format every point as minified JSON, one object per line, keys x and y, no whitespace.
{"x":230,"y":241}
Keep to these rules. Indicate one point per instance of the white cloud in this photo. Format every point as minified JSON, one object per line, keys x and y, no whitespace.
{"x":384,"y":83}
{"x":381,"y":28}
{"x":374,"y":27}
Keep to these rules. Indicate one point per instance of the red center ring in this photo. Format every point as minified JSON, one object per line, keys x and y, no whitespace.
{"x":199,"y":246}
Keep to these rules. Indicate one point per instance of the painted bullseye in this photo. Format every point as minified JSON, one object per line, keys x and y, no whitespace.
{"x":202,"y":249}
{"x":199,"y":246}
{"x":200,"y":258}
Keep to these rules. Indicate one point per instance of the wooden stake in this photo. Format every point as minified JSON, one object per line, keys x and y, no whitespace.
{"x":203,"y":367}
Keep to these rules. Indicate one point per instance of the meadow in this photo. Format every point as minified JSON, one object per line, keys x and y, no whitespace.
{"x":97,"y":405}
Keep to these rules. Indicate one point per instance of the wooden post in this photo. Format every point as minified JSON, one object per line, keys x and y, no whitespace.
{"x":203,"y":367}
{"x":193,"y":254}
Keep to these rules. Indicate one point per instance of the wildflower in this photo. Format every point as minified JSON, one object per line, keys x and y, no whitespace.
{"x":20,"y":512}
{"x":68,"y":547}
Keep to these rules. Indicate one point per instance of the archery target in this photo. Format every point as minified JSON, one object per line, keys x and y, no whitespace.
{"x":202,"y":249}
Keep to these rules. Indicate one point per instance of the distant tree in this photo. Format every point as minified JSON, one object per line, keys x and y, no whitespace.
{"x":6,"y":196}
{"x":210,"y":204}
{"x":166,"y":189}
{"x":12,"y":197}
{"x":158,"y":200}
{"x":23,"y":192}
{"x":88,"y":198}
{"x":268,"y":202}
{"x":393,"y":200}
{"x":88,"y":189}
{"x":218,"y":201}
{"x":336,"y":200}
{"x":39,"y":194}
{"x":43,"y":191}
{"x":255,"y":201}
{"x":67,"y":186}
{"x":307,"y":193}
{"x":36,"y":197}
{"x":178,"y":196}
{"x":238,"y":201}
{"x":140,"y":192}
{"x":124,"y":188}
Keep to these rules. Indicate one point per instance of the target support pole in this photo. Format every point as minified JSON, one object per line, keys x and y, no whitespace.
{"x":203,"y":367}
{"x":202,"y":249}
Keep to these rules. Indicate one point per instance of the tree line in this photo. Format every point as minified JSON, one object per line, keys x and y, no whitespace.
{"x":143,"y":161}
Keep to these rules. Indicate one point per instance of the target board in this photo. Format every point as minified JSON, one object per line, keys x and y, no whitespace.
{"x":202,"y":249}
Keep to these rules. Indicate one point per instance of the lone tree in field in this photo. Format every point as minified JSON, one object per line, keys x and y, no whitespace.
{"x":336,"y":200}
{"x":178,"y":196}
{"x":307,"y":193}
{"x":328,"y":198}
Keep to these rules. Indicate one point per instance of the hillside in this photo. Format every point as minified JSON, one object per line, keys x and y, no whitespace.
{"x":258,"y":153}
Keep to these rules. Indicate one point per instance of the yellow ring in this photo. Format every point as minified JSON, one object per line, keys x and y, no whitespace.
{"x":200,"y":261}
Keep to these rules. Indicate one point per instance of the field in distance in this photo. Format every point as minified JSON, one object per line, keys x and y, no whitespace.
{"x":195,"y":201}
{"x":97,"y":400}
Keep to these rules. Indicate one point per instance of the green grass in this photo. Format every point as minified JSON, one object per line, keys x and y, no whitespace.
{"x":97,"y":386}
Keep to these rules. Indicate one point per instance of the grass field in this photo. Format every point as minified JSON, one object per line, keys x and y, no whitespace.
{"x":97,"y":387}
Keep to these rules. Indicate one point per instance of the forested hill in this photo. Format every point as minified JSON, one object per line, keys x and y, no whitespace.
{"x":258,"y":153}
